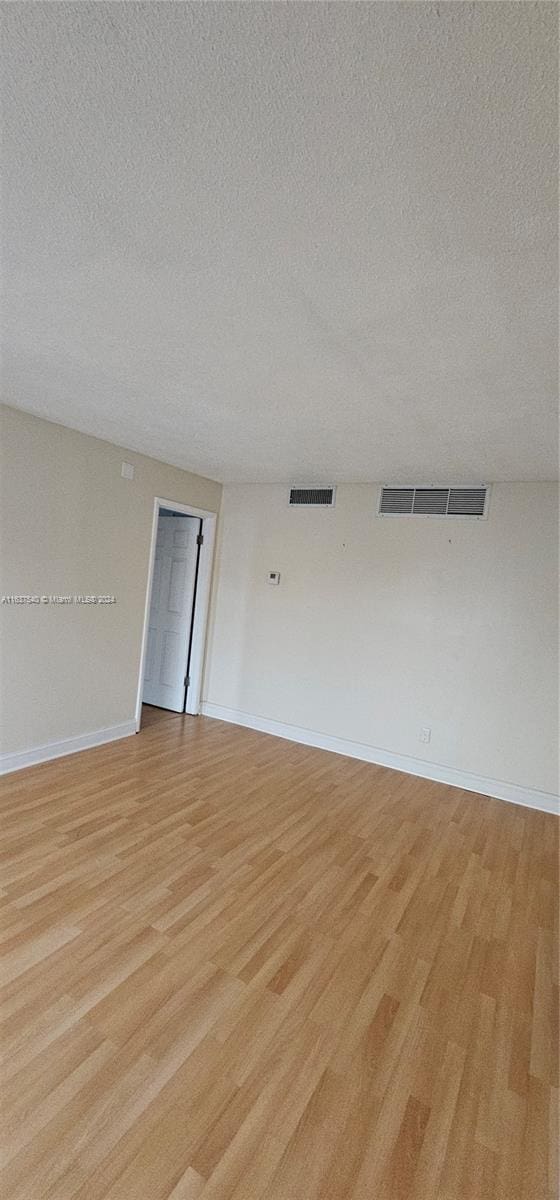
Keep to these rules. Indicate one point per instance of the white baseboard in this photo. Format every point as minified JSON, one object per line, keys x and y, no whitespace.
{"x":512,"y":792}
{"x":83,"y":741}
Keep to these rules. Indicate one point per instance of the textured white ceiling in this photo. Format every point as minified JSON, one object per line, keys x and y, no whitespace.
{"x":307,"y":242}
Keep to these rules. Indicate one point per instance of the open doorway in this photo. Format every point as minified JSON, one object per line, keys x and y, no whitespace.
{"x":177,"y":597}
{"x":171,"y":610}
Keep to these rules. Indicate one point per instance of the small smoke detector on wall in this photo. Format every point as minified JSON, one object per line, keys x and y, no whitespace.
{"x":127,"y":470}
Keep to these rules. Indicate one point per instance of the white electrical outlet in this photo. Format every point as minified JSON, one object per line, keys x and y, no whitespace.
{"x":273,"y":578}
{"x":425,"y":734}
{"x":127,"y":470}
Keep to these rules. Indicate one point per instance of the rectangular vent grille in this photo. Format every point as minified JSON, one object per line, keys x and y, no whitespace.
{"x":312,"y":496}
{"x":433,"y":502}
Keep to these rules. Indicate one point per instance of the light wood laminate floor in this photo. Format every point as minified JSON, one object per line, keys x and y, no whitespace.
{"x":236,"y":967}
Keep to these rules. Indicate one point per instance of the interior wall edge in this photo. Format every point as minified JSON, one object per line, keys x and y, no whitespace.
{"x":497,"y":789}
{"x":82,"y":741}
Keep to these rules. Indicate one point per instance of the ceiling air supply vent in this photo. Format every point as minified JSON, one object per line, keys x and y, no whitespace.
{"x":467,"y":502}
{"x":317,"y":497}
{"x":433,"y":502}
{"x":430,"y":502}
{"x":396,"y":501}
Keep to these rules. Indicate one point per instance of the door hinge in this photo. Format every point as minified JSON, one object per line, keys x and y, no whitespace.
{"x":200,"y":539}
{"x":187,"y":680}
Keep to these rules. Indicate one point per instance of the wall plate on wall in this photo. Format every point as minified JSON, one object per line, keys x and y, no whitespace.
{"x":273,"y":578}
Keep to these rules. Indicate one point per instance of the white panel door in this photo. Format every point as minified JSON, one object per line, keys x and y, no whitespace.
{"x":171,"y":609}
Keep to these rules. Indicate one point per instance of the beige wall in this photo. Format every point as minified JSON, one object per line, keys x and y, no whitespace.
{"x":70,"y":524}
{"x":380,"y":627}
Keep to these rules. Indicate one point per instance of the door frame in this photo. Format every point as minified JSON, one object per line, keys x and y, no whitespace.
{"x":202,"y":601}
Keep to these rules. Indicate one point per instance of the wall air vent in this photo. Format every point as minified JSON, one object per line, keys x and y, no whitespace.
{"x":314,"y":497}
{"x":433,"y":502}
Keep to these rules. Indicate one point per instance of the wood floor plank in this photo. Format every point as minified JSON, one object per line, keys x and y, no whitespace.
{"x":236,"y":968}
